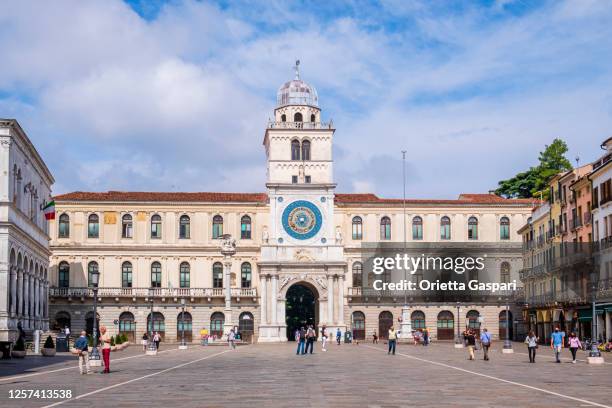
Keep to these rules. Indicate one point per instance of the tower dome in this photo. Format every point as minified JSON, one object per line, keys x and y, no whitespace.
{"x":297,"y":92}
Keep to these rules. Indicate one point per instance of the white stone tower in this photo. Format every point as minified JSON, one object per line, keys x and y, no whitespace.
{"x":301,"y":244}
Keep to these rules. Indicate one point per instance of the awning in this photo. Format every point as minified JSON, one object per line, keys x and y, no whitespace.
{"x":587,"y":314}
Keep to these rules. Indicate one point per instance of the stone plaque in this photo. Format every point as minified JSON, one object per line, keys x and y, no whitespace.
{"x":110,"y":217}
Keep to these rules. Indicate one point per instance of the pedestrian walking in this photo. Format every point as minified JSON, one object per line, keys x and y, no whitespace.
{"x":145,"y":341}
{"x":311,"y":336}
{"x":392,"y":339}
{"x":556,"y":343}
{"x":81,"y":345}
{"x":374,"y":338}
{"x":105,"y":338}
{"x":231,"y":339}
{"x":338,"y":336}
{"x":485,"y":340}
{"x":301,"y":341}
{"x":425,"y":336}
{"x":323,"y":338}
{"x":156,"y":340}
{"x":470,"y":340}
{"x":67,"y":333}
{"x":574,"y":345}
{"x":532,"y":344}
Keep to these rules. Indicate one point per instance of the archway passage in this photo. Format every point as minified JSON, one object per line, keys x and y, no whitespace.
{"x":301,"y":308}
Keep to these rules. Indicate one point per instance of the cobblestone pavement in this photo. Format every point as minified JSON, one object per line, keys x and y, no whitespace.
{"x":345,"y":376}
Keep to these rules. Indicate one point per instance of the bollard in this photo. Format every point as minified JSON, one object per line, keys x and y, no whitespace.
{"x":36,"y":341}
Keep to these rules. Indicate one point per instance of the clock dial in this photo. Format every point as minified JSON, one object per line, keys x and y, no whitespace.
{"x":302,"y":219}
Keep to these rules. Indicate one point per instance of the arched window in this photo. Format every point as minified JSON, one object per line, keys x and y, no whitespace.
{"x":358,"y":325}
{"x":184,"y":326}
{"x":445,"y":228}
{"x":357,"y":274}
{"x":92,"y":268}
{"x":156,"y":275}
{"x":297,"y":117}
{"x":417,"y":228}
{"x":245,"y":275}
{"x":184,"y":227}
{"x":217,"y":226}
{"x":62,"y":320}
{"x":126,"y":274}
{"x":246,"y":326}
{"x":184,"y":278}
{"x":127,"y":229}
{"x":445,"y":325}
{"x":217,"y":321}
{"x":64,"y":226}
{"x":418,"y":319}
{"x":63,"y":275}
{"x":158,"y":324}
{"x":385,"y":321}
{"x":504,"y":272}
{"x":245,"y":227}
{"x":357,"y":228}
{"x":306,"y":150}
{"x":472,"y":228}
{"x":473,"y":321}
{"x":93,"y":226}
{"x":313,"y":118}
{"x":283,"y":118}
{"x":217,"y":275}
{"x":385,"y":228}
{"x":156,"y":227}
{"x":127,"y":325}
{"x":295,"y":149}
{"x":504,"y":228}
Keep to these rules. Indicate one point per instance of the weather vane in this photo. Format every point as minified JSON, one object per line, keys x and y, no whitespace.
{"x":297,"y":69}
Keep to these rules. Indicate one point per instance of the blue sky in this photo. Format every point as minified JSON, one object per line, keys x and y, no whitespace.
{"x":174,"y":95}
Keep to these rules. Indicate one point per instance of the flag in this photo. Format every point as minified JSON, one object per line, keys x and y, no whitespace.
{"x":49,"y":211}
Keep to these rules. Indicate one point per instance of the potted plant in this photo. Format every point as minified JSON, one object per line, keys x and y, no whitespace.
{"x":124,"y":341}
{"x":19,"y":350}
{"x":48,"y":349}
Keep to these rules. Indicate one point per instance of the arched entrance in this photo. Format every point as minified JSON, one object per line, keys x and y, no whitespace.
{"x":301,"y":308}
{"x":385,"y":321}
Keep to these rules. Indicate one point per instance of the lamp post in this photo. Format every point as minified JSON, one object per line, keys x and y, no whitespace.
{"x":406,"y":324}
{"x":507,"y":343}
{"x":183,"y":345}
{"x":94,"y":357}
{"x":458,"y":340}
{"x":594,"y":354}
{"x":151,"y":349}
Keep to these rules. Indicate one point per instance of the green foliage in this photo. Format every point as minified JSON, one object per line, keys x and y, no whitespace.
{"x":112,"y":340}
{"x":49,"y":344}
{"x":89,"y":340}
{"x":124,"y":338}
{"x":119,"y":339}
{"x":19,"y":345}
{"x":534,"y":182}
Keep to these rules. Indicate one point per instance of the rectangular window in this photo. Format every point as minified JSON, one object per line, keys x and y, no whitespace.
{"x":307,"y":179}
{"x":93,"y":230}
{"x":246,"y":280}
{"x":184,"y":231}
{"x":357,"y":231}
{"x":245,"y":231}
{"x":445,"y":232}
{"x":217,"y":230}
{"x":294,"y":179}
{"x":417,"y":231}
{"x":184,"y":279}
{"x":218,"y":279}
{"x":126,"y":229}
{"x":156,"y":231}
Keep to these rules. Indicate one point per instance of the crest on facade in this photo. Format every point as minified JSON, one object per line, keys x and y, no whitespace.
{"x":228,"y":244}
{"x":321,"y":281}
{"x":285,"y":281}
{"x":303,"y":255}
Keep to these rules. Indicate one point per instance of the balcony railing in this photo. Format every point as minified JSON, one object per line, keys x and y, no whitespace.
{"x":543,"y":299}
{"x":155,"y":292}
{"x":300,"y":125}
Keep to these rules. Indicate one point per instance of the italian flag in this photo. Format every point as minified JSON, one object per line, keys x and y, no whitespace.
{"x":49,"y":210}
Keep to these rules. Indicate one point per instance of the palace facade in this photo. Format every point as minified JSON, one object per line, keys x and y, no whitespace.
{"x":299,"y":249}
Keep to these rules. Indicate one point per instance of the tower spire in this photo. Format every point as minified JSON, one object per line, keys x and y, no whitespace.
{"x":297,"y":69}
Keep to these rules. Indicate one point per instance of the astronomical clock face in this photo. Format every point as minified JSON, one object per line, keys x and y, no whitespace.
{"x":302,"y":219}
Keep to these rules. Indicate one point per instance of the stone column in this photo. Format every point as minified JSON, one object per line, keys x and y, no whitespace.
{"x":330,"y":300}
{"x":263,"y":303}
{"x":274,"y":299}
{"x":19,"y":293}
{"x":13,"y":289}
{"x":227,"y":282}
{"x":341,"y":300}
{"x":26,"y":299}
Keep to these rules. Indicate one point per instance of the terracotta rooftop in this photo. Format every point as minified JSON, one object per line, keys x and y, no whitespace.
{"x":367,"y":198}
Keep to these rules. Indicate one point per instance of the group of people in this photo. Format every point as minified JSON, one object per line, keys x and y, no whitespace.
{"x":474,"y":342}
{"x":155,"y":338}
{"x":306,"y":336}
{"x":557,"y":343}
{"x":81,"y":345}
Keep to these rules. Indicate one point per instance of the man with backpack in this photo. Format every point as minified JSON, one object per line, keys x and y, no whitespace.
{"x":485,"y":339}
{"x":310,"y":339}
{"x":81,"y":344}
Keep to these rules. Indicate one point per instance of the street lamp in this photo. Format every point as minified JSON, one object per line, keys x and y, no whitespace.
{"x":458,"y":340}
{"x":183,"y":345}
{"x":594,"y":353}
{"x":95,"y":280}
{"x":151,"y":350}
{"x":507,"y":343}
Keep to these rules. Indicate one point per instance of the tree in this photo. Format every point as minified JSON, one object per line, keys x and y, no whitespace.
{"x":534,"y":182}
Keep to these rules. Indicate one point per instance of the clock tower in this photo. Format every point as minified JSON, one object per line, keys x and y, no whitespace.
{"x":301,"y":245}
